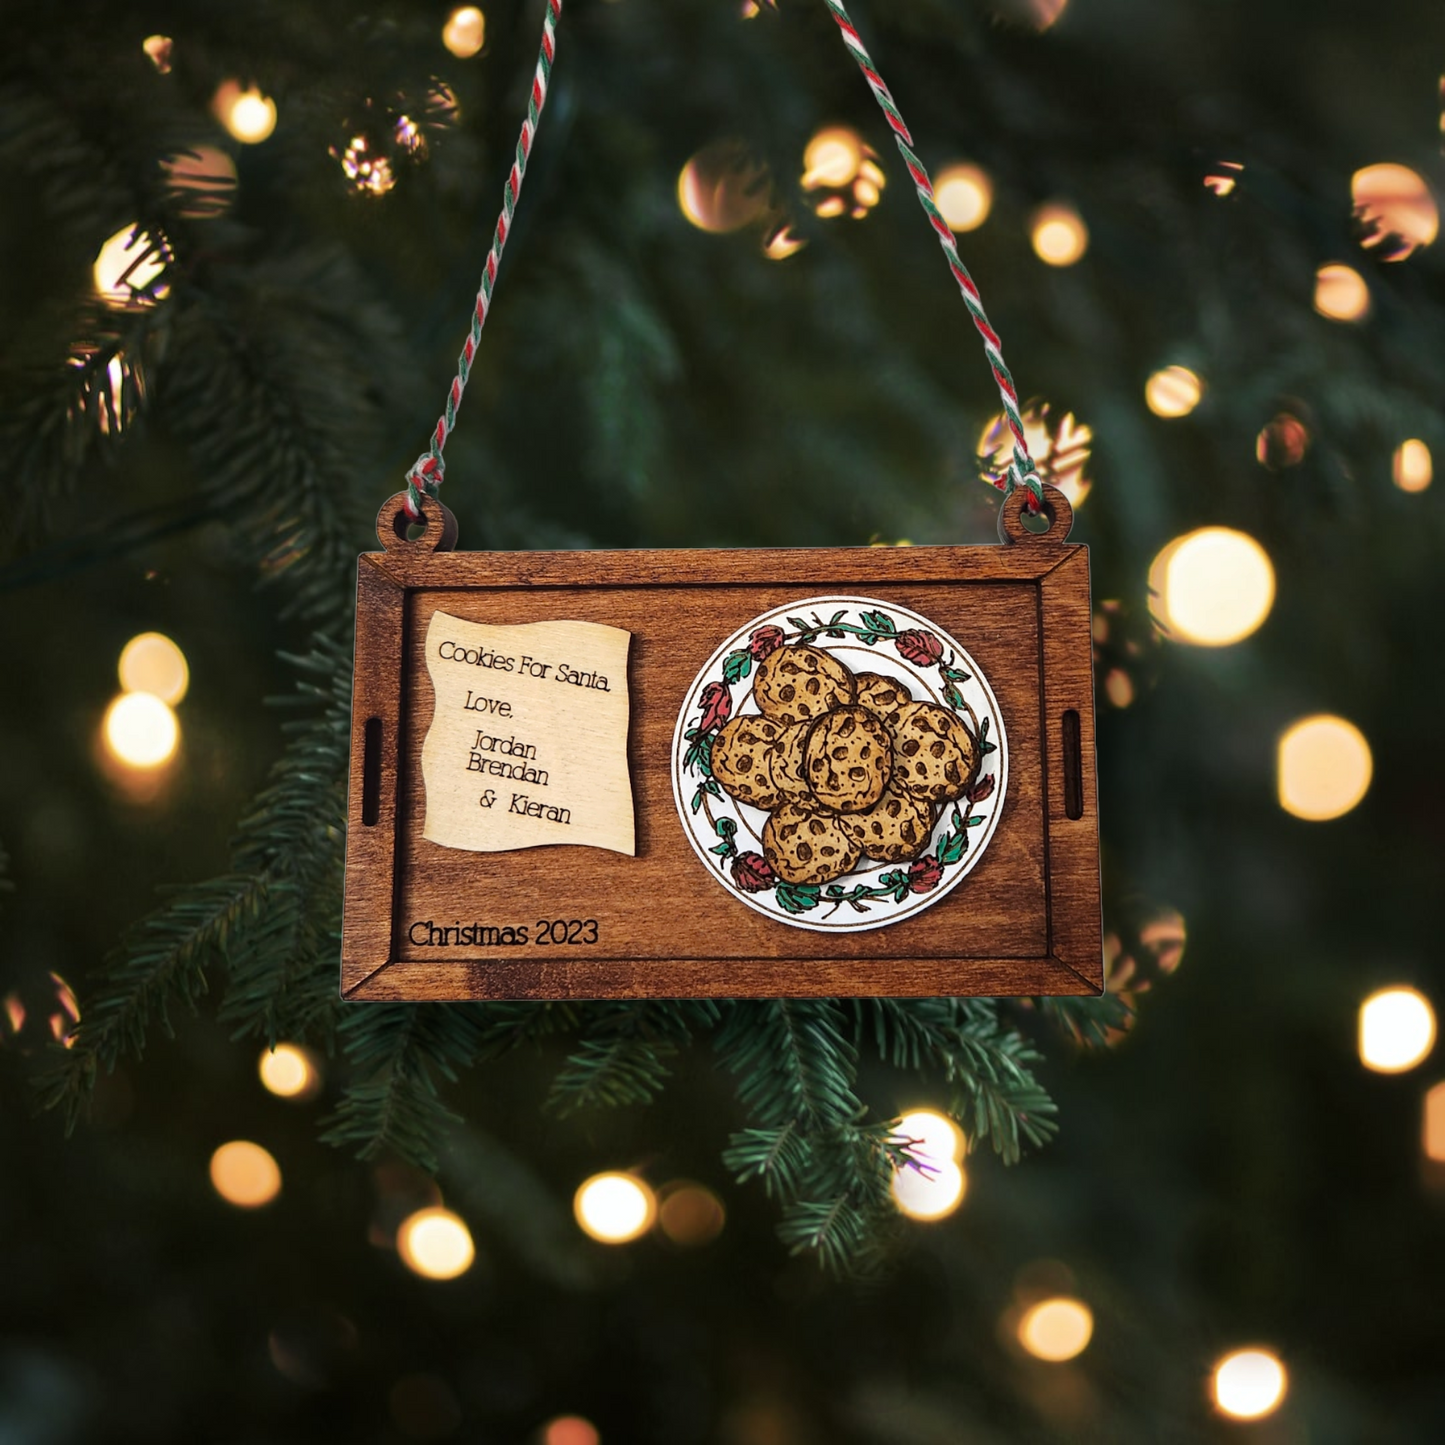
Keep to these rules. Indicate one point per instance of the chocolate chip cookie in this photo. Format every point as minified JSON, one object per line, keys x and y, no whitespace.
{"x":884,"y":697}
{"x":935,"y":757}
{"x":848,"y":759}
{"x":740,"y":757}
{"x":786,"y":764}
{"x":896,"y":829}
{"x":796,"y":684}
{"x":807,"y":846}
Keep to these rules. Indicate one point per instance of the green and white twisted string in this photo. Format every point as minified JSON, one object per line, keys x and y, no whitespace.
{"x":1022,"y":471}
{"x":429,"y":470}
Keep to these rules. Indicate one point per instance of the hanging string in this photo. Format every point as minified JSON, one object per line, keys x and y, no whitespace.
{"x":429,"y":470}
{"x":1022,"y":471}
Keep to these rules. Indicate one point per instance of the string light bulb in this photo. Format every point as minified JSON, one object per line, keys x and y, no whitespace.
{"x":1412,"y":466}
{"x":1323,"y":767}
{"x":1211,"y":587}
{"x":1397,"y":1030}
{"x":1249,"y":1384}
{"x":1396,"y":208}
{"x":247,"y":114}
{"x":569,"y":1430}
{"x":936,"y":1189}
{"x":465,"y":32}
{"x":1059,"y":234}
{"x":289,"y":1072}
{"x":1056,"y":1329}
{"x":1173,"y":392}
{"x":964,"y":194}
{"x":245,"y":1174}
{"x":140,"y":730}
{"x":1434,"y":1124}
{"x":128,"y":269}
{"x":1341,"y":293}
{"x":614,"y":1208}
{"x":435,"y":1244}
{"x":151,"y":662}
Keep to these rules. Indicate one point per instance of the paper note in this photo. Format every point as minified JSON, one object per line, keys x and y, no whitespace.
{"x":528,"y":745}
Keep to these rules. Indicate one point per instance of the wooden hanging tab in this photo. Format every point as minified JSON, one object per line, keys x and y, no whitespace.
{"x":740,"y":773}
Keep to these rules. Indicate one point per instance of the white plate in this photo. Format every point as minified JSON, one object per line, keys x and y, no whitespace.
{"x":870,"y":632}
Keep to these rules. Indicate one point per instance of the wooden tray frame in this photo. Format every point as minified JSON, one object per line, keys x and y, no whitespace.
{"x":1054,"y":580}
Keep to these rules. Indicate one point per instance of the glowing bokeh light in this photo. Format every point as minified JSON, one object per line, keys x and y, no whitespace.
{"x":1396,"y":208}
{"x":936,"y":1189}
{"x":151,"y":662}
{"x":783,"y":243}
{"x":965,"y":196}
{"x":722,"y":188}
{"x":569,"y":1430}
{"x":1211,"y":587}
{"x":465,"y":32}
{"x":128,"y":269}
{"x":1056,"y":1329}
{"x":1059,"y":234}
{"x":369,"y":173}
{"x":1249,"y":1384}
{"x":435,"y":1243}
{"x":1224,"y":178}
{"x":832,"y":158}
{"x":1323,"y":767}
{"x":202,"y":180}
{"x":140,"y":730}
{"x":690,"y":1215}
{"x":248,"y":115}
{"x":1397,"y":1030}
{"x":615,"y":1208}
{"x":1341,"y":293}
{"x":289,"y":1072}
{"x":1412,"y":466}
{"x":1434,"y":1124}
{"x":1175,"y":391}
{"x":245,"y":1174}
{"x":158,"y":50}
{"x":1282,"y":442}
{"x":1061,"y":449}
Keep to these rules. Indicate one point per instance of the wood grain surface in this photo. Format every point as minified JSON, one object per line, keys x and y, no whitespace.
{"x":1026,"y":920}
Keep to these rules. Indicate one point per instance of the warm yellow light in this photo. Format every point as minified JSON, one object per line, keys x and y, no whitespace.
{"x":158,"y":49}
{"x":937,"y":1188}
{"x":1434,"y":1131}
{"x":247,"y":114}
{"x":691,"y":1215}
{"x":288,"y":1072}
{"x":965,"y":196}
{"x":151,"y":662}
{"x":1397,"y":1030}
{"x":1413,"y":469}
{"x":465,"y":32}
{"x":570,"y":1430}
{"x":1249,"y":1384}
{"x":832,"y":158}
{"x":1059,"y":234}
{"x":1175,"y":391}
{"x":1212,"y":587}
{"x":1057,"y":1329}
{"x":615,"y":1208}
{"x":722,"y":188}
{"x":140,"y":730}
{"x":435,"y":1244}
{"x":1341,"y":293}
{"x":782,"y":244}
{"x":1324,"y":767}
{"x":1061,"y":448}
{"x":245,"y":1174}
{"x":128,"y":269}
{"x":203,"y":180}
{"x":1397,"y":209}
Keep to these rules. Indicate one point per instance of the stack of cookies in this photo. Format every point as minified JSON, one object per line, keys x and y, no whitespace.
{"x":849,"y":765}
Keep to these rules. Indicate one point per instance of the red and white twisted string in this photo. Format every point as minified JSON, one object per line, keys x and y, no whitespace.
{"x":1022,"y":471}
{"x":429,"y":470}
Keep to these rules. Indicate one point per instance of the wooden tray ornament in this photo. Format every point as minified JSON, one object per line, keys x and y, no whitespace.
{"x":574,"y":773}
